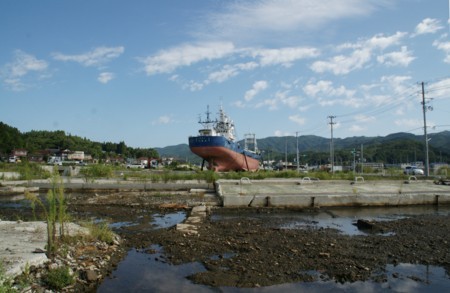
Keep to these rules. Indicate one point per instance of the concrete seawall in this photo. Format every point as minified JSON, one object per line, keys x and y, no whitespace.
{"x":311,"y":193}
{"x":299,"y":193}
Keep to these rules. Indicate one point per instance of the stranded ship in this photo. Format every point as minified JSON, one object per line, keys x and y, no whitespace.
{"x":216,"y":144}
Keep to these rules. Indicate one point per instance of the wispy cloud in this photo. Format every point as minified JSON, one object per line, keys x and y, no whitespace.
{"x":361,"y":55}
{"x":240,"y":20}
{"x":105,"y":77}
{"x":22,"y":64}
{"x":444,"y":46}
{"x":284,"y":56}
{"x":166,"y":61}
{"x":165,"y":119}
{"x":96,"y":57}
{"x":230,"y":70}
{"x":297,"y":119}
{"x":428,"y":26}
{"x":398,"y":58}
{"x":256,"y":89}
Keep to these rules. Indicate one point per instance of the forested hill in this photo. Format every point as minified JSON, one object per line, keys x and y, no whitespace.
{"x":393,"y":148}
{"x":33,"y":141}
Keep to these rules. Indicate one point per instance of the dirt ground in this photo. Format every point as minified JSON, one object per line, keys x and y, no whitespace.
{"x":241,"y":249}
{"x":244,"y":250}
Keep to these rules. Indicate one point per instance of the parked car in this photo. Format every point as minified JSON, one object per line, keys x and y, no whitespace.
{"x":413,"y":170}
{"x":139,"y":166}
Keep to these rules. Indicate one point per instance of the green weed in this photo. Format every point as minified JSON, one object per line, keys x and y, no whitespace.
{"x":59,"y":278}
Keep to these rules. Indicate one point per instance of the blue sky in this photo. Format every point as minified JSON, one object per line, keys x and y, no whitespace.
{"x":143,"y":71}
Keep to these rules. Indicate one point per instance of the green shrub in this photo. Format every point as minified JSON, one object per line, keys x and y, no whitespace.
{"x":94,"y":171}
{"x":101,"y":231}
{"x":59,"y":278}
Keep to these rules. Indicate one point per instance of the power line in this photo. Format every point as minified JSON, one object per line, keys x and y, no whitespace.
{"x":380,"y":110}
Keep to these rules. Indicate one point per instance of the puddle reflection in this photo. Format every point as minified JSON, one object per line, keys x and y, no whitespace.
{"x":143,"y":272}
{"x":168,"y":220}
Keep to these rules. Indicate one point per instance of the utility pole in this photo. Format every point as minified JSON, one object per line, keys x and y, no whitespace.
{"x":285,"y":154}
{"x":425,"y":108}
{"x":298,"y":166}
{"x":331,"y":143}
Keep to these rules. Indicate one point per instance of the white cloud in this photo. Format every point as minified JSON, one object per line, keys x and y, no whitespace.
{"x":281,"y":133}
{"x":399,"y":84}
{"x":222,"y":75}
{"x":325,"y":88}
{"x":360,"y":57}
{"x":167,"y":61}
{"x":96,"y":57}
{"x":445,"y":47}
{"x":428,"y":26}
{"x":15,"y":84}
{"x":256,"y":89}
{"x":245,"y":20}
{"x":341,"y":64}
{"x":399,"y":58}
{"x":297,"y":119}
{"x":105,"y":77}
{"x":439,"y":90}
{"x":22,"y":65}
{"x":283,"y":56}
{"x":229,"y":71}
{"x":285,"y":98}
{"x":193,"y":86}
{"x":382,"y":42}
{"x":165,"y":119}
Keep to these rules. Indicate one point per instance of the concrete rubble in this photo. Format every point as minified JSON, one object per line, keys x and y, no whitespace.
{"x":196,"y":216}
{"x":23,"y":244}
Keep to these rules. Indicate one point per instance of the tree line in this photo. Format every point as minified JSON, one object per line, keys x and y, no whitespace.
{"x":36,"y":140}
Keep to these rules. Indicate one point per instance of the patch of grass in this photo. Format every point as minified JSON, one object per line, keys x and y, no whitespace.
{"x":95,"y":171}
{"x":101,"y":231}
{"x":59,"y":278}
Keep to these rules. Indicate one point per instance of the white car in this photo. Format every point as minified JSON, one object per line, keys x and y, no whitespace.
{"x":413,"y":170}
{"x":138,"y":166}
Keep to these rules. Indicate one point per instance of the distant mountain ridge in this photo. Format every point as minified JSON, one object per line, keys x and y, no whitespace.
{"x":312,"y":143}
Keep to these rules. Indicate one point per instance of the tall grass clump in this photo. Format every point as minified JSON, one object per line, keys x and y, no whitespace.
{"x":95,"y":171}
{"x":59,"y":278}
{"x":55,"y":211}
{"x":101,"y":231}
{"x":30,"y":171}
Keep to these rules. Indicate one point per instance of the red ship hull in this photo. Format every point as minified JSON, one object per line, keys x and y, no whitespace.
{"x":223,"y":159}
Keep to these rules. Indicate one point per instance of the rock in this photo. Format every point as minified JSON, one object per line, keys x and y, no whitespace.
{"x":91,"y":275}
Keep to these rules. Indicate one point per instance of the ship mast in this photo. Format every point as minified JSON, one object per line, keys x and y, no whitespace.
{"x":208,"y":123}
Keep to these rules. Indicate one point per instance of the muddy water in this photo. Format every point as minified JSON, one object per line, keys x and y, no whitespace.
{"x":148,"y":270}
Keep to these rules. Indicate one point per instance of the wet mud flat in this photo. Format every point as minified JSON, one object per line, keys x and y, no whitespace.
{"x":252,"y":252}
{"x":248,"y":247}
{"x":259,"y":247}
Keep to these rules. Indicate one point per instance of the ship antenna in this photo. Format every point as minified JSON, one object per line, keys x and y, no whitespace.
{"x":207,"y":113}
